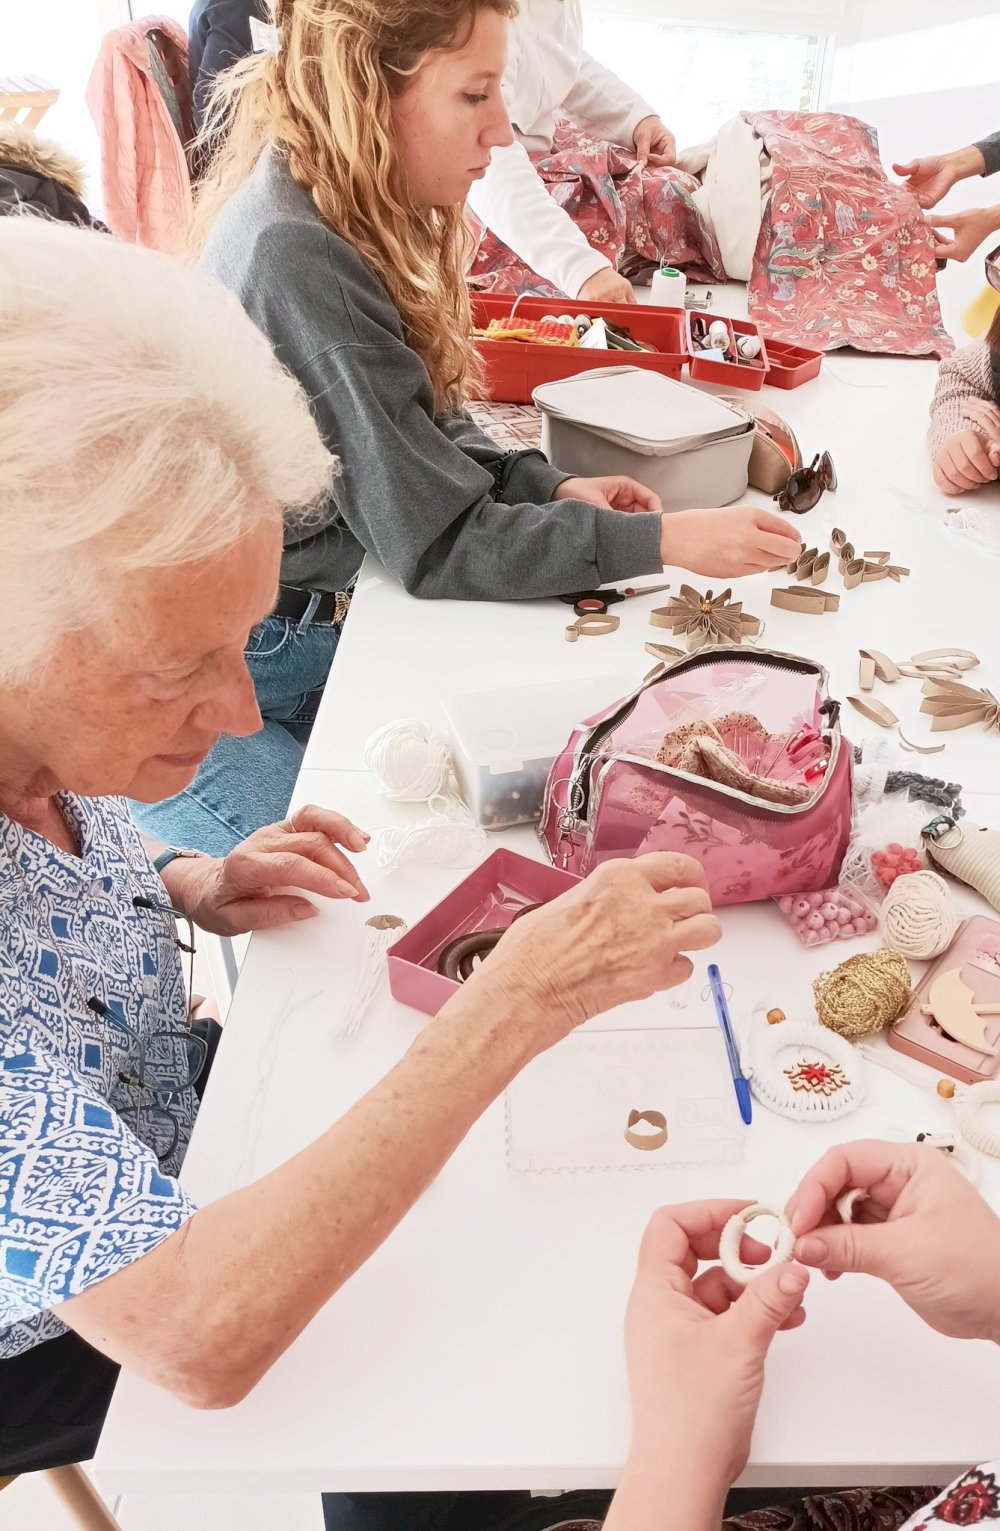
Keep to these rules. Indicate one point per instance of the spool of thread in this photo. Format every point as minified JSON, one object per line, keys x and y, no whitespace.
{"x":864,"y":994}
{"x":718,"y":335}
{"x":668,"y":287}
{"x":411,"y":761}
{"x":917,"y":917}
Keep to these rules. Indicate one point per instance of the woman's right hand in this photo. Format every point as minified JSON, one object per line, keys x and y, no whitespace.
{"x":727,"y":543}
{"x":606,"y":286}
{"x":620,"y":935}
{"x":923,"y":1228}
{"x":964,"y":461}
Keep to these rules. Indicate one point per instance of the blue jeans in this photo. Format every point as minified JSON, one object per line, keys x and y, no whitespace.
{"x":247,"y":783}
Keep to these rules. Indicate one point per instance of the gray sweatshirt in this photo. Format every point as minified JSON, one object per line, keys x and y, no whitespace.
{"x":990,"y":150}
{"x":434,"y":500}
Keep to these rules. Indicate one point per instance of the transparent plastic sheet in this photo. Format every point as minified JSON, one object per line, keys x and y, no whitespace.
{"x":569,"y":1109}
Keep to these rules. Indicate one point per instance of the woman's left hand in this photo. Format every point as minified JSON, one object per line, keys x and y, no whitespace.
{"x":618,"y":493}
{"x":654,"y":144}
{"x":696,"y":1344}
{"x":248,"y":889}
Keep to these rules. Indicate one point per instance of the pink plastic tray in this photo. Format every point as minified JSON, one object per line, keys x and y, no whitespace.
{"x":488,"y":899}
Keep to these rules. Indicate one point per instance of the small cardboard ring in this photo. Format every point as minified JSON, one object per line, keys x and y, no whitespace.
{"x":731,"y":1237}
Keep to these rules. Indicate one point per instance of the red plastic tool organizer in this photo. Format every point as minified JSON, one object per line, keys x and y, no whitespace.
{"x":515,"y":368}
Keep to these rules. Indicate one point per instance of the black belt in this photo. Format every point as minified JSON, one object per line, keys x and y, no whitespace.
{"x":293,"y":603}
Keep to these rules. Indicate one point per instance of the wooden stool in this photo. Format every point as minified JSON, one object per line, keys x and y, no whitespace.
{"x":25,"y":98}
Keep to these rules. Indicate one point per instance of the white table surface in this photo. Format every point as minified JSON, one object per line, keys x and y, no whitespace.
{"x":398,"y":656}
{"x":480,"y":1347}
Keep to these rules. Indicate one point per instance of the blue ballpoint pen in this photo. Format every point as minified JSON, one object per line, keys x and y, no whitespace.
{"x":740,"y":1083}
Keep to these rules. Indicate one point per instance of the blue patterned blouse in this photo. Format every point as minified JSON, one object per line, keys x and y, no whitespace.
{"x":81,"y":1196}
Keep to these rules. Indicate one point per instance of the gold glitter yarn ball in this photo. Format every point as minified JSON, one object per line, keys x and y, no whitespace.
{"x":864,"y":994}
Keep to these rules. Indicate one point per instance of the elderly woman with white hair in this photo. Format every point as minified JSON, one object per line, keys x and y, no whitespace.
{"x":148,"y":444}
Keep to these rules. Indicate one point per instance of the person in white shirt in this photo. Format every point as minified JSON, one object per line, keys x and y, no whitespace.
{"x":549,"y":72}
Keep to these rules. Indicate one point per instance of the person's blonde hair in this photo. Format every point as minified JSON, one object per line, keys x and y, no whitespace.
{"x":144,"y":423}
{"x":324,"y":99}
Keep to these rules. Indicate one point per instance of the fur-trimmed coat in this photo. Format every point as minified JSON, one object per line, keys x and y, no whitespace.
{"x":38,"y":174}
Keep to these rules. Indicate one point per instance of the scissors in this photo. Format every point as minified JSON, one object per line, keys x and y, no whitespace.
{"x":587,"y":602}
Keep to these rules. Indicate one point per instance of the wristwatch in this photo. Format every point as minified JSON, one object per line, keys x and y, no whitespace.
{"x":170,"y":854}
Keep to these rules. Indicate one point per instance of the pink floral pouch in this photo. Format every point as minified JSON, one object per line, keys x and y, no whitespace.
{"x":733,"y":756}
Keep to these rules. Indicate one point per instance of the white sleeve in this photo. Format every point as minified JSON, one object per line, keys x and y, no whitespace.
{"x":511,"y":199}
{"x":601,"y":101}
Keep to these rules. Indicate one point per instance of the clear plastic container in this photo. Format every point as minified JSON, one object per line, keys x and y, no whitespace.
{"x":504,"y":741}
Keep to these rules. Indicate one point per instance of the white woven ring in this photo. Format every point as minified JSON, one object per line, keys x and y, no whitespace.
{"x":969,"y":1115}
{"x":732,"y":1234}
{"x":809,"y":1040}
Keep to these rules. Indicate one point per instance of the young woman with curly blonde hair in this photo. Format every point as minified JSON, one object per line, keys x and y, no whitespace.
{"x":333,"y":209}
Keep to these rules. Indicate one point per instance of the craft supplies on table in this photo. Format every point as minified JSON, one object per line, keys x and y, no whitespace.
{"x":514,"y":368}
{"x":505,"y":739}
{"x":952,"y":1022}
{"x":697,"y":760}
{"x":667,"y":289}
{"x":586,"y":1104}
{"x":500,"y":889}
{"x":741,"y":1085}
{"x":689,"y":447}
{"x":801,"y":1070}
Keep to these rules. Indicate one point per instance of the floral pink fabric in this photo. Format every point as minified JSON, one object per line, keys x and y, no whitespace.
{"x":635,"y":216}
{"x":844,"y":256}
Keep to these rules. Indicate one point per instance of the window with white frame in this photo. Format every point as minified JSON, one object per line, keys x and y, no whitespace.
{"x":700,"y":74}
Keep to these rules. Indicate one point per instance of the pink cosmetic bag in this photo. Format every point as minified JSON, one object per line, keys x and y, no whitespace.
{"x":624,"y":786}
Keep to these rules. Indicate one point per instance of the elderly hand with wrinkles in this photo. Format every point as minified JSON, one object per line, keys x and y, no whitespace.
{"x":250,"y":889}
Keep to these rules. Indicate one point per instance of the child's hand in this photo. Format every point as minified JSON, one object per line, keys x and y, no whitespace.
{"x":965,"y":462}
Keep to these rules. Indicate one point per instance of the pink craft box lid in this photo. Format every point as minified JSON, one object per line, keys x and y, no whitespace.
{"x":413,"y":983}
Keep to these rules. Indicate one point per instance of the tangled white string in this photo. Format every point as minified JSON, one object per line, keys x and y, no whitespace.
{"x":411,"y":761}
{"x":446,"y":839}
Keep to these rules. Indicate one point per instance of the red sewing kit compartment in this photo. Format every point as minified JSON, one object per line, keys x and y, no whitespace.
{"x":515,"y":368}
{"x":734,"y":370}
{"x":788,"y":366}
{"x":504,"y":886}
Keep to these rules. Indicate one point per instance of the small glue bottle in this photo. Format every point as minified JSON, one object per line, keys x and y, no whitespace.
{"x":668,"y":286}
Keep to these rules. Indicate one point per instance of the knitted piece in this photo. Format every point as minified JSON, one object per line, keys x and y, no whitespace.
{"x":968,"y":852}
{"x":966,"y":375}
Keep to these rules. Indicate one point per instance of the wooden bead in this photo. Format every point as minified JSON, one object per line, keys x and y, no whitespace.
{"x":946,"y":1088}
{"x":774,"y":1016}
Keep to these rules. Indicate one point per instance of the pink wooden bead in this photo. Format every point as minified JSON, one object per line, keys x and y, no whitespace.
{"x":801,"y":908}
{"x":870,"y":922}
{"x":829,"y":911}
{"x":815,"y":899}
{"x":785,"y":904}
{"x":844,"y":916}
{"x":815,"y":920}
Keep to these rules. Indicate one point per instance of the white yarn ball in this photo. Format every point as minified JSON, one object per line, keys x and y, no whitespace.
{"x":918,"y":918}
{"x":411,"y":761}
